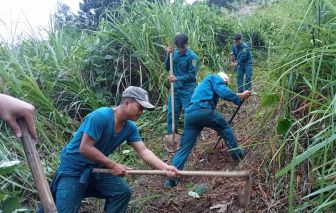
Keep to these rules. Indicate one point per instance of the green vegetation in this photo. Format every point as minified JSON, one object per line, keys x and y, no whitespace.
{"x":74,"y":72}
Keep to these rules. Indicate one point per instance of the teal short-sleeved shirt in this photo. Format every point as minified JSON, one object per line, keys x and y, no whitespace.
{"x":100,"y":126}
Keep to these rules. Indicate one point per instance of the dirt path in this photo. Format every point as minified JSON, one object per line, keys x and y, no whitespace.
{"x":150,"y":195}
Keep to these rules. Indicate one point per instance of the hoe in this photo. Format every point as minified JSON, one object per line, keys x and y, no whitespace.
{"x":243,"y":197}
{"x":42,"y":186}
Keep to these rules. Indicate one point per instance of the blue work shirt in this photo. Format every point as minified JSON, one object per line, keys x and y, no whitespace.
{"x":100,"y":126}
{"x":207,"y":94}
{"x":185,"y":68}
{"x":242,"y":54}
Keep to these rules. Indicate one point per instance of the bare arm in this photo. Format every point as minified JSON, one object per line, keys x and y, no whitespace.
{"x":88,"y":150}
{"x":245,"y":95}
{"x":151,"y":159}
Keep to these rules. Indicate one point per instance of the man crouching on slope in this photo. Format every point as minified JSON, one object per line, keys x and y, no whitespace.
{"x":103,"y":131}
{"x":201,"y":113}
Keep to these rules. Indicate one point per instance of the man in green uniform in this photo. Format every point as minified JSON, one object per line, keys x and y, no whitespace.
{"x":185,"y":65}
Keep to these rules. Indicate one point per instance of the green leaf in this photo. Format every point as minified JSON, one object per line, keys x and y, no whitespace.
{"x":269,"y":99}
{"x":283,"y":126}
{"x":306,"y":155}
{"x":276,"y":98}
{"x":8,"y":166}
{"x":200,"y":189}
{"x":10,"y":204}
{"x":3,"y":196}
{"x":108,"y":57}
{"x":330,"y":5}
{"x":208,"y":150}
{"x":328,"y":188}
{"x":189,"y":185}
{"x":14,"y":193}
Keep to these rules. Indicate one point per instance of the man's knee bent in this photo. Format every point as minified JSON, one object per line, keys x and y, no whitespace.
{"x":123,"y":196}
{"x":128,"y":191}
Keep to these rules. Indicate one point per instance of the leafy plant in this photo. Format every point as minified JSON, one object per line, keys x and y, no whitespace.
{"x":9,"y":201}
{"x":200,"y":189}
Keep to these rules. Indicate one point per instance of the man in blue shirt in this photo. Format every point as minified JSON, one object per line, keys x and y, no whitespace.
{"x":201,"y":113}
{"x":103,"y":131}
{"x":185,"y":65}
{"x":242,"y":55}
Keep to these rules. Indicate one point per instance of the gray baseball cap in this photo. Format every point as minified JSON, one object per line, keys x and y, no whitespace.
{"x":140,"y":95}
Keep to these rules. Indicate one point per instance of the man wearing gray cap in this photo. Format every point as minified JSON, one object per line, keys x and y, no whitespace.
{"x":104,"y":130}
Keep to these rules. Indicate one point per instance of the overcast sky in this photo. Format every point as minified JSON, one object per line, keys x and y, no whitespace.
{"x":16,"y":13}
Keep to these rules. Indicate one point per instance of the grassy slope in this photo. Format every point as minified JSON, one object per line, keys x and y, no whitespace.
{"x":69,"y":77}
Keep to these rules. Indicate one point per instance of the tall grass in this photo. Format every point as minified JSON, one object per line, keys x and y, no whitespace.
{"x":71,"y":73}
{"x":300,"y":37}
{"x":145,"y":30}
{"x":74,"y":72}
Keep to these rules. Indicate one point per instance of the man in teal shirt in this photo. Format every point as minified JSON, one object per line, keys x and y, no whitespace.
{"x":201,"y":113}
{"x":242,"y":55}
{"x":185,"y":65}
{"x":104,"y":130}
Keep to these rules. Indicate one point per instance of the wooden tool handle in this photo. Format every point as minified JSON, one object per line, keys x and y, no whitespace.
{"x":234,"y":114}
{"x":36,"y":169}
{"x":172,"y":93}
{"x":183,"y":173}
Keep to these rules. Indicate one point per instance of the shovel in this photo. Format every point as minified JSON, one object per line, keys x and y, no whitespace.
{"x":243,"y":196}
{"x":172,"y":141}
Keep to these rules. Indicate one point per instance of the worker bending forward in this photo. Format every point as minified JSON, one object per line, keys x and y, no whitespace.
{"x":102,"y":132}
{"x":201,"y":113}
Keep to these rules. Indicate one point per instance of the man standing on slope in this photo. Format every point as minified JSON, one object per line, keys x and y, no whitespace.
{"x":185,"y":65}
{"x":103,"y":131}
{"x":201,"y":113}
{"x":243,"y":57}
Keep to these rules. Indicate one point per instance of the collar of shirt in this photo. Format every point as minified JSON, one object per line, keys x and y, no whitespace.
{"x":186,"y":53}
{"x":242,"y":45}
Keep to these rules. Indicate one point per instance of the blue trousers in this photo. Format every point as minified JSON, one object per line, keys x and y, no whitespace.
{"x":247,"y":70}
{"x":194,"y":122}
{"x":182,"y":98}
{"x":70,"y":193}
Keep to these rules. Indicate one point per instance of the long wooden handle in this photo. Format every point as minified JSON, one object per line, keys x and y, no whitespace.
{"x":183,"y":173}
{"x":36,"y":169}
{"x":234,"y":114}
{"x":172,"y":93}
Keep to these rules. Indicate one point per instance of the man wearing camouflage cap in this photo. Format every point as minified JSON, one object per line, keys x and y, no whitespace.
{"x":103,"y":131}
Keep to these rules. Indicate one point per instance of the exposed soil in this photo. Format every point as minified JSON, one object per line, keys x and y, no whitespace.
{"x":158,"y":198}
{"x":150,"y":195}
